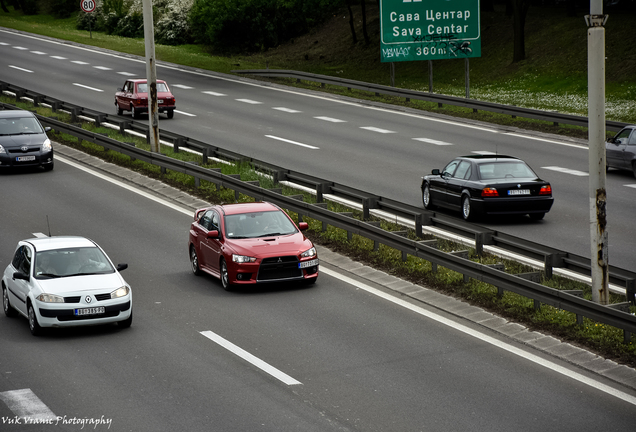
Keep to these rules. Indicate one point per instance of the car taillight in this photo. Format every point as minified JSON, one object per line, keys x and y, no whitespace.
{"x":489,"y":192}
{"x":545,"y":190}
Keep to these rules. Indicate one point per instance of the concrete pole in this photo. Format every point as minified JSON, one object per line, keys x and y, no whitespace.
{"x":151,"y":76}
{"x":596,"y":133}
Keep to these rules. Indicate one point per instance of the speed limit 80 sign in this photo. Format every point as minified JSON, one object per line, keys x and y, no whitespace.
{"x":87,"y":5}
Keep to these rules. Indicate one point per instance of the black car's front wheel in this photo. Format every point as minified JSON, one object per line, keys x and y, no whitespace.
{"x":467,"y":211}
{"x":426,"y":197}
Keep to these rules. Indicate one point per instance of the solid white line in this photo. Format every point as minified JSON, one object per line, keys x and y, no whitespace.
{"x":24,"y":403}
{"x":124,"y":185}
{"x":250,"y":358}
{"x":87,"y":87}
{"x":582,"y":147}
{"x":488,"y":339}
{"x":19,"y":68}
{"x":566,"y":171}
{"x":185,"y":113}
{"x":292,"y":142}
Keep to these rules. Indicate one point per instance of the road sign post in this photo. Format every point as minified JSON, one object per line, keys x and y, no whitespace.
{"x":88,"y":6}
{"x":429,"y":30}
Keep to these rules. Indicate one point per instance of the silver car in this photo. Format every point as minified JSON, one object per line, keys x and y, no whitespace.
{"x":620,"y":151}
{"x":23,"y":141}
{"x":65,"y":282}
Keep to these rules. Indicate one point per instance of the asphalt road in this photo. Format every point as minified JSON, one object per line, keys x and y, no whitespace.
{"x":335,"y":356}
{"x":367,"y":146}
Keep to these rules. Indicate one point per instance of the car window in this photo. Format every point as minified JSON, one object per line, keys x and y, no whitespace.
{"x":259,"y":224}
{"x":632,"y":138}
{"x":22,"y":260}
{"x":142,"y":88}
{"x":622,"y":136}
{"x":161,"y":87}
{"x":502,"y":170}
{"x":450,"y":169}
{"x":462,"y":169}
{"x":20,"y":125}
{"x":210,"y":220}
{"x":71,"y":262}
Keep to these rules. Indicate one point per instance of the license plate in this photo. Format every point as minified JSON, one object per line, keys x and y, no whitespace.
{"x":90,"y":311}
{"x":519,"y":192}
{"x":159,"y":101}
{"x":306,"y":264}
{"x":25,"y":158}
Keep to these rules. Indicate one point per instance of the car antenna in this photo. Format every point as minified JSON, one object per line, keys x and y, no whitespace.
{"x":47,"y":224}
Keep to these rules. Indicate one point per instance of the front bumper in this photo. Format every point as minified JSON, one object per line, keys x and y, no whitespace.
{"x":12,"y":159}
{"x":63,"y":314}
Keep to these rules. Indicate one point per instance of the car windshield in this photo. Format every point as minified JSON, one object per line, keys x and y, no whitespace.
{"x":20,"y":125}
{"x":71,"y":262}
{"x":143,"y":88}
{"x":259,"y":224}
{"x":503,"y":170}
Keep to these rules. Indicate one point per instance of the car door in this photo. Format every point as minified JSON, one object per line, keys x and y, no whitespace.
{"x":19,"y":288}
{"x":455,"y":184}
{"x":439,"y":185}
{"x":123,"y":97}
{"x":615,"y":151}
{"x":210,"y":247}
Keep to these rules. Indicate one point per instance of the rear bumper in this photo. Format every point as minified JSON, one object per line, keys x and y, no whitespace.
{"x":513,"y":206}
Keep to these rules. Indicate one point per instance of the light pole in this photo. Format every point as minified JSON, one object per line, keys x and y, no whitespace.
{"x":596,"y":135}
{"x":151,"y":76}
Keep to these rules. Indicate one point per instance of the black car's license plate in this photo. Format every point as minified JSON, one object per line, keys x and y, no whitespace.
{"x":519,"y":192}
{"x":25,"y":158}
{"x":90,"y":311}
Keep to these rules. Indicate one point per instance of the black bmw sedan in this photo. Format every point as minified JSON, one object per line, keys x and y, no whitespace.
{"x":487,"y":185}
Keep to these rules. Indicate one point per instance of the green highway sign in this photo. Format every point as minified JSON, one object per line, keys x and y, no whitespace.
{"x":429,"y":29}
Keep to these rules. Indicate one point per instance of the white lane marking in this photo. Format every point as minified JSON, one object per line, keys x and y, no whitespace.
{"x":182,"y":86}
{"x":488,"y":339}
{"x":330,"y":119}
{"x":19,"y":68}
{"x":20,"y":48}
{"x":38,"y":52}
{"x":483,"y":152}
{"x":630,"y":186}
{"x":563,"y":143}
{"x":211,"y":93}
{"x":250,"y":358}
{"x":58,"y":57}
{"x":375,"y":129}
{"x":566,"y":171}
{"x":185,"y":113}
{"x":249,"y":101}
{"x":79,"y":62}
{"x":4,"y":43}
{"x":105,"y":68}
{"x":288,"y":110}
{"x":126,"y":73}
{"x":87,"y":87}
{"x":24,"y":403}
{"x":432,"y":141}
{"x":292,"y":142}
{"x":39,"y":234}
{"x":124,"y":185}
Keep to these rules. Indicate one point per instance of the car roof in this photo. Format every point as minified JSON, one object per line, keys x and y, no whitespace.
{"x":486,"y":158}
{"x":15,"y":113}
{"x":143,"y":80}
{"x":59,"y":242}
{"x":253,"y":207}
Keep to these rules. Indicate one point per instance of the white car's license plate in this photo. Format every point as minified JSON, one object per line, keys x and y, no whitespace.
{"x":519,"y":192}
{"x":306,"y":264}
{"x":25,"y":158}
{"x":90,"y":311}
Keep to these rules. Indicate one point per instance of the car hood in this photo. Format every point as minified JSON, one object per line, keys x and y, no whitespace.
{"x":271,"y":246}
{"x":102,"y":282}
{"x":16,"y":141}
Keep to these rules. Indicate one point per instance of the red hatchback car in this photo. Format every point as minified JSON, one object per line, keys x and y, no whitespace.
{"x":133,"y":97}
{"x":250,"y":243}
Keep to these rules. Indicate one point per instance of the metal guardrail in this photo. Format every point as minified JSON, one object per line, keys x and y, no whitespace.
{"x":440,"y":99}
{"x":483,"y":236}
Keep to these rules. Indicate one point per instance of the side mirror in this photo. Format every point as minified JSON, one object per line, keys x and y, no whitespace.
{"x":20,"y":275}
{"x":303,"y":226}
{"x":121,"y":267}
{"x":47,"y":129}
{"x":213,"y":234}
{"x":435,"y":172}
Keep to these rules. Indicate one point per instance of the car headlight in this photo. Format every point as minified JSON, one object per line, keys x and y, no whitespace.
{"x":2,"y":150}
{"x":242,"y":259}
{"x":120,"y":292}
{"x":50,"y":298}
{"x":47,"y":145}
{"x":309,"y":253}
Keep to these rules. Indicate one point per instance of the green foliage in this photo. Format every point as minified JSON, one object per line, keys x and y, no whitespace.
{"x":252,"y":25}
